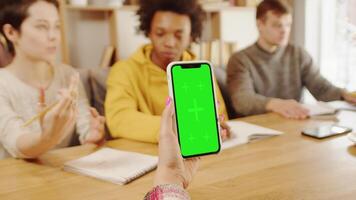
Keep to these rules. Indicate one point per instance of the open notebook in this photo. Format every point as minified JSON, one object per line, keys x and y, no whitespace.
{"x":243,"y":132}
{"x":113,"y":165}
{"x":342,"y":105}
{"x":319,"y":108}
{"x":327,"y":108}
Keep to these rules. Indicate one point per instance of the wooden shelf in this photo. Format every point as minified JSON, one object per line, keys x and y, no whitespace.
{"x":99,"y":8}
{"x":111,"y":10}
{"x":207,"y":8}
{"x":214,"y":13}
{"x":210,"y":9}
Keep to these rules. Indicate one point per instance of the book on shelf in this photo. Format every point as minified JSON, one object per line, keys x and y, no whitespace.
{"x":108,"y":57}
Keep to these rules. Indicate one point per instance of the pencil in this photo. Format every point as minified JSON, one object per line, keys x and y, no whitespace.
{"x":41,"y":114}
{"x":73,"y":92}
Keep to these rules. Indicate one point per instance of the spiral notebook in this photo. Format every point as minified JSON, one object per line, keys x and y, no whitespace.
{"x":119,"y":167}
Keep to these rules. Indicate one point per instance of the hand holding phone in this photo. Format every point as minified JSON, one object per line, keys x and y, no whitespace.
{"x":191,"y":87}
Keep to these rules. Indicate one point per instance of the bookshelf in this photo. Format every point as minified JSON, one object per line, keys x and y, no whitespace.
{"x":212,"y":36}
{"x":100,"y":8}
{"x":110,"y":11}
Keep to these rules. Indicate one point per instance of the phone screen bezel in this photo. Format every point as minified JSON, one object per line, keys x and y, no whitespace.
{"x":189,"y":66}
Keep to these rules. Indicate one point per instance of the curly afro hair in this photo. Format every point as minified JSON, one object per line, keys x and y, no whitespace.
{"x":192,"y":8}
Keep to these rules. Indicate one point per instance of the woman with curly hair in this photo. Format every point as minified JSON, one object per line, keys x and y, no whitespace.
{"x":137,"y":87}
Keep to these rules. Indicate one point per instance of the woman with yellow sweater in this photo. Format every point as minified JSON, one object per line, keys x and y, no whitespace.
{"x":137,"y":87}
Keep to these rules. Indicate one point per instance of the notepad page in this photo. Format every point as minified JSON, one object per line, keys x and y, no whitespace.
{"x":243,"y":132}
{"x":319,"y":108}
{"x":342,"y":105}
{"x":113,"y":165}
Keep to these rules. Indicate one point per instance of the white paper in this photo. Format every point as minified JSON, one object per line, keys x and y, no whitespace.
{"x":113,"y":165}
{"x":342,"y":105}
{"x":243,"y":132}
{"x":320,"y":108}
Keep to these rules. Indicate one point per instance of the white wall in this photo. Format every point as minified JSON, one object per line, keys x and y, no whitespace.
{"x":298,"y":30}
{"x":307,"y":26}
{"x":239,"y":26}
{"x":129,"y":39}
{"x":313,"y":28}
{"x":88,"y":35}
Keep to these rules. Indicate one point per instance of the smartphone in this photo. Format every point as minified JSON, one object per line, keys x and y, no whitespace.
{"x":192,"y":89}
{"x":325,"y":131}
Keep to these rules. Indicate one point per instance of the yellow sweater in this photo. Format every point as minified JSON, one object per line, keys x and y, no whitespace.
{"x":137,"y":90}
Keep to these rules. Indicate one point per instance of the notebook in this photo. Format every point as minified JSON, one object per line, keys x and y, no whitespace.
{"x":243,"y":132}
{"x":328,"y":108}
{"x":319,"y":108}
{"x":342,"y":105}
{"x":119,"y":167}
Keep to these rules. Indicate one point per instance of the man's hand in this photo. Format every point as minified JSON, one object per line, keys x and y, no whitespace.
{"x":290,"y":109}
{"x":225,"y":131}
{"x":349,"y":97}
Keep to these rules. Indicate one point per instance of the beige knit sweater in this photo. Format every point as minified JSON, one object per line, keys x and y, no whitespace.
{"x":18,"y":103}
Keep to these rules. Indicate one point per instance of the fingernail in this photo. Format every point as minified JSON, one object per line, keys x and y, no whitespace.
{"x":168,"y":101}
{"x":222,"y":117}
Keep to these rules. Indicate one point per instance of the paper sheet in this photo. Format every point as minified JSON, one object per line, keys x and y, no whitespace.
{"x":113,"y":165}
{"x":243,"y":132}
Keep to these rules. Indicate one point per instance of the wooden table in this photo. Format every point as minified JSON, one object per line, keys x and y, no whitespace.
{"x":290,"y":166}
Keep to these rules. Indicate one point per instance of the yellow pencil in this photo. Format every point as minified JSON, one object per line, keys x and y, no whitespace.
{"x":73,"y":92}
{"x":41,"y":114}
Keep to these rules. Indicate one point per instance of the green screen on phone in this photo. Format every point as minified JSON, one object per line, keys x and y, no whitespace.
{"x":197,"y":124}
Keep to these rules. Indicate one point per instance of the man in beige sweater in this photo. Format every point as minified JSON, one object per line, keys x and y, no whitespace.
{"x":269,"y":75}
